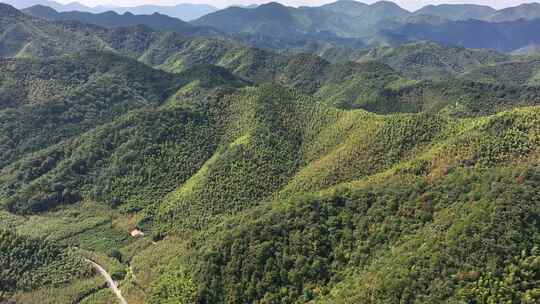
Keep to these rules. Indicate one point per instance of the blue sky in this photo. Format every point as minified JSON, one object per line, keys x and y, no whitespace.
{"x":409,"y":4}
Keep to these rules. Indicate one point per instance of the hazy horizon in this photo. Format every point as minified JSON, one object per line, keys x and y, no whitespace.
{"x":408,"y":4}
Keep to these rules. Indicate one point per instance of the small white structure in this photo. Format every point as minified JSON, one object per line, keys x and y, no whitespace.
{"x":137,"y":233}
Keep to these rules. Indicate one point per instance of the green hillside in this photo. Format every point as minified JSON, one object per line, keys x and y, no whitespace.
{"x":427,"y":60}
{"x":435,"y":183}
{"x":76,"y":135}
{"x":204,"y":170}
{"x":51,"y":100}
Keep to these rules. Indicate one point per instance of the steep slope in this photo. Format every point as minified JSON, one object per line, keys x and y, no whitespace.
{"x":416,"y":179}
{"x":155,"y":21}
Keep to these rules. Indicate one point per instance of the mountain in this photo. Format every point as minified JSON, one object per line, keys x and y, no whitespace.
{"x":527,"y":11}
{"x":274,"y":19}
{"x":21,"y":37}
{"x":155,"y":21}
{"x":460,"y":12}
{"x":457,"y":11}
{"x":378,"y":24}
{"x":203,"y":170}
{"x":517,"y":72}
{"x":377,"y":11}
{"x":72,"y":6}
{"x":382,"y":10}
{"x":184,"y":11}
{"x":427,"y":60}
{"x":419,"y":60}
{"x":501,"y":36}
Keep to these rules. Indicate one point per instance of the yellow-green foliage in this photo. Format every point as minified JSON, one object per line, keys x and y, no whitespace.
{"x":518,"y":283}
{"x":404,"y":239}
{"x":329,"y":183}
{"x":424,"y":188}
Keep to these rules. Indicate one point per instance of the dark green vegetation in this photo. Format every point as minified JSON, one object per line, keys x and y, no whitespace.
{"x":93,"y":91}
{"x":408,"y":176}
{"x":27,"y":264}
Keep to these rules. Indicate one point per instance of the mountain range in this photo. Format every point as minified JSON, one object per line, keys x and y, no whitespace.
{"x":189,"y":12}
{"x":343,"y":23}
{"x":203,"y":169}
{"x":184,"y":11}
{"x":155,"y":21}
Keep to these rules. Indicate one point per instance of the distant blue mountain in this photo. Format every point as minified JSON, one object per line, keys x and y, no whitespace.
{"x":185,"y":11}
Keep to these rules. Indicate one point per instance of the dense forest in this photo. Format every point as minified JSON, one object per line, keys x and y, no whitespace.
{"x":201,"y":168}
{"x":28,"y":264}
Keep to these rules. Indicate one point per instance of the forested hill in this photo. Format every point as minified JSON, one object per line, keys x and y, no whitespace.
{"x":204,"y":170}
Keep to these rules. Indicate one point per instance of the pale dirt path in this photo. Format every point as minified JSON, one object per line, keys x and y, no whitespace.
{"x":110,"y":281}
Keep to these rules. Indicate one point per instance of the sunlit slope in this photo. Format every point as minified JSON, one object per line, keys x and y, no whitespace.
{"x":459,"y":210}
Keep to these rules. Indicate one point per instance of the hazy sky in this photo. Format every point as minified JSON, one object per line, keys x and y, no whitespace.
{"x":409,"y":4}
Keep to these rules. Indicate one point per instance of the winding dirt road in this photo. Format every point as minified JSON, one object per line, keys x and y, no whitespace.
{"x":110,"y":281}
